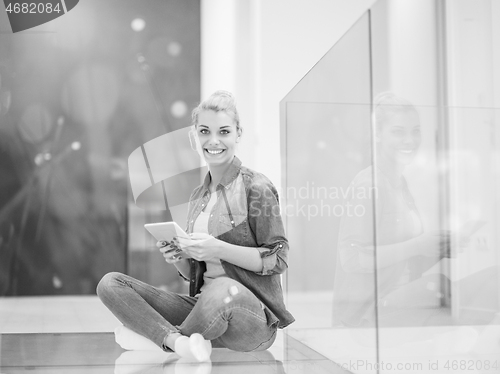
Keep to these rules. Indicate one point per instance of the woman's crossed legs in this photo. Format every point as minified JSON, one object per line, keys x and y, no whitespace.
{"x":235,"y":320}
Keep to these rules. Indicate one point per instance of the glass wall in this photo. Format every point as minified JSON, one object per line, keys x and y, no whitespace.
{"x":390,"y":178}
{"x":326,"y":143}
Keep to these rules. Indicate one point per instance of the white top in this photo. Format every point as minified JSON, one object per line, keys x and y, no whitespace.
{"x":214,"y":267}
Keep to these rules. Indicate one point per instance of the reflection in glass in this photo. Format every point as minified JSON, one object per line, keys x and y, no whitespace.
{"x":415,"y":248}
{"x":150,"y":362}
{"x":396,"y":236}
{"x":325,"y":141}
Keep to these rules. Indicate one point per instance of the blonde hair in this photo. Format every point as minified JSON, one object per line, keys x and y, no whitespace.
{"x":387,"y":104}
{"x":219,"y":101}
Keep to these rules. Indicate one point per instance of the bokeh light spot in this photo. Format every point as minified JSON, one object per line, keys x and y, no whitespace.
{"x":178,"y":109}
{"x":321,"y":144}
{"x":163,"y":52}
{"x":174,"y":49}
{"x":138,"y":24}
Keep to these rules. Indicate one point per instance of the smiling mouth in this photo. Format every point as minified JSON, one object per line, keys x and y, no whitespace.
{"x":214,"y":151}
{"x":406,"y":151}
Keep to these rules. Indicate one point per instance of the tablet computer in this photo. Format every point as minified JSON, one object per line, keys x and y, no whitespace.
{"x":165,"y":230}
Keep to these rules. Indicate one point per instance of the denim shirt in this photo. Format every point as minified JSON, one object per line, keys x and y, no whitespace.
{"x":246,"y":214}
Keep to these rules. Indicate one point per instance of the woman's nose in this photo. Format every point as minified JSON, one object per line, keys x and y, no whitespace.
{"x":409,"y":139}
{"x":214,"y":139}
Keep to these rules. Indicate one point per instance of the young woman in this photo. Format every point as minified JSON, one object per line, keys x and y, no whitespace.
{"x":404,"y":250}
{"x":233,"y":257}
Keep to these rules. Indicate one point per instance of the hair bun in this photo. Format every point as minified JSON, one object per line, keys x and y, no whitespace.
{"x":387,"y":104}
{"x":224,"y":96}
{"x":222,"y":93}
{"x":387,"y":98}
{"x":219,"y":101}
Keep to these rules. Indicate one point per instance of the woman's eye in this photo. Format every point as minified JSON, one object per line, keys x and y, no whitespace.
{"x":224,"y":132}
{"x":204,"y":131}
{"x":397,"y":132}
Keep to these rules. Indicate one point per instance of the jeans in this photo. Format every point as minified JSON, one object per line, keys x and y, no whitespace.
{"x":239,"y":324}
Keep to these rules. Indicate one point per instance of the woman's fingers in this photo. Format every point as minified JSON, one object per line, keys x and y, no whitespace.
{"x":172,"y":252}
{"x":194,"y":247}
{"x":166,"y":248}
{"x":184,"y":243}
{"x":161,"y":243}
{"x":181,"y":240}
{"x":173,"y":255}
{"x":173,"y":259}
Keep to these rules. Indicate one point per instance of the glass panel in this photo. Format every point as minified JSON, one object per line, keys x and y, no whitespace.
{"x":474,"y":264}
{"x":474,"y":175}
{"x":436,"y":161}
{"x":410,"y":285}
{"x":326,"y":145}
{"x":416,"y":283}
{"x":437,"y":285}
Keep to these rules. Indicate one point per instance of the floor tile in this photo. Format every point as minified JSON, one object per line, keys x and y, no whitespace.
{"x":98,"y":353}
{"x":451,"y":349}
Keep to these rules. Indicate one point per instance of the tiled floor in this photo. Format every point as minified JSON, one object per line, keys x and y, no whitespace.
{"x":98,"y":353}
{"x":433,"y":349}
{"x":73,"y":335}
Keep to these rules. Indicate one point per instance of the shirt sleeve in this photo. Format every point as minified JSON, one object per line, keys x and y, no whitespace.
{"x":265,"y":221}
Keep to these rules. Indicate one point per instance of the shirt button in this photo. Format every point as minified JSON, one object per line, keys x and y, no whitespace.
{"x":232,"y":222}
{"x":192,"y":221}
{"x":211,"y":215}
{"x":202,"y":204}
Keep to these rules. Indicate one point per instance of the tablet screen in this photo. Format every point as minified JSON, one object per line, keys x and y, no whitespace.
{"x":165,"y":230}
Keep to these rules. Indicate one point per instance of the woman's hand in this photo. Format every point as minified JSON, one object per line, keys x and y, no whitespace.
{"x":171,"y":252}
{"x":435,"y":243}
{"x":459,"y":243}
{"x":200,"y":246}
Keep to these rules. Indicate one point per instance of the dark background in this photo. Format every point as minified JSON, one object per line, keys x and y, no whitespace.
{"x":75,"y":101}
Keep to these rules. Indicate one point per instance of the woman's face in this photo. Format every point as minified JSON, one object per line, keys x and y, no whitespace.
{"x":399,"y":138}
{"x":218,"y":136}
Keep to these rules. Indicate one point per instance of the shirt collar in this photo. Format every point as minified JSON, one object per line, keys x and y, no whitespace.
{"x":229,"y":176}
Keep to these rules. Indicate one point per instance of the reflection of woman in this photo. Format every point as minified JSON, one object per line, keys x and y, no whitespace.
{"x":403,"y":251}
{"x":236,"y":250}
